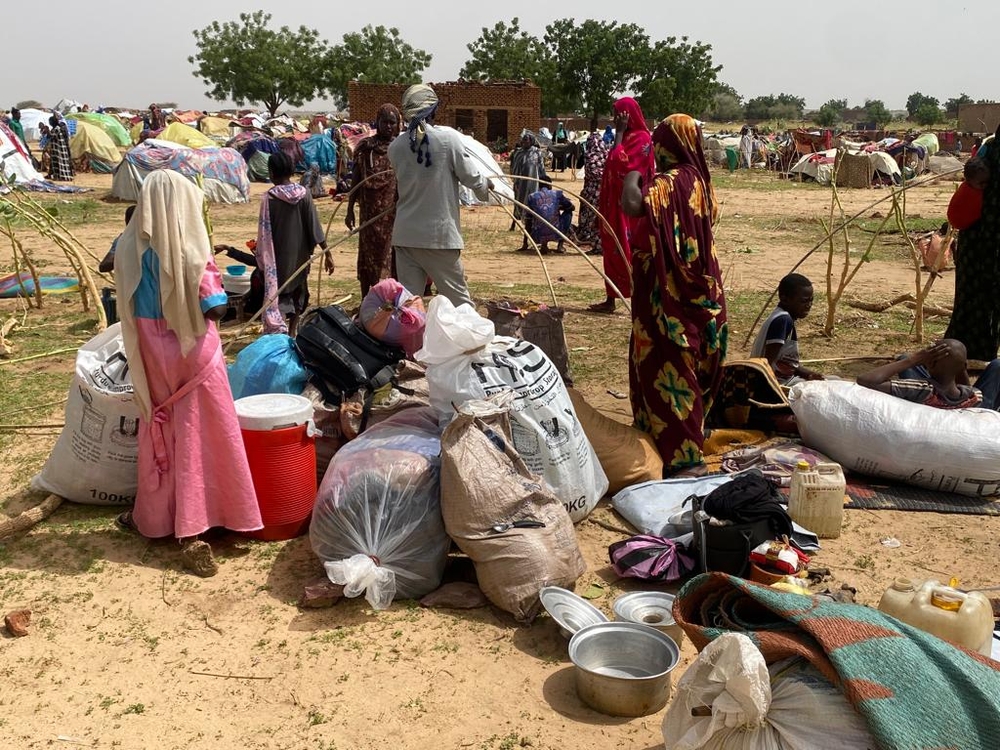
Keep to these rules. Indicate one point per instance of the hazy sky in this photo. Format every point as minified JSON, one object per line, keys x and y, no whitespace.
{"x":112,"y":52}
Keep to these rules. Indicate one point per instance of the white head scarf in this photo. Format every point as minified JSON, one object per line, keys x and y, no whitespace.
{"x":167,"y":219}
{"x":419,"y":103}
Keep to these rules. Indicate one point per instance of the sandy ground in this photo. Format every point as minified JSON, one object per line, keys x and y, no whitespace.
{"x":127,"y":651}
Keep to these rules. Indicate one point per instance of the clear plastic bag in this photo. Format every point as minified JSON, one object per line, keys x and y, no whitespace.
{"x":377,"y":522}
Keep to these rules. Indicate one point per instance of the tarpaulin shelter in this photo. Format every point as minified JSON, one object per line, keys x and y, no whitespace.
{"x":255,"y":148}
{"x":95,"y":145}
{"x":108,"y":123}
{"x":222,"y":171}
{"x":14,"y":158}
{"x":31,"y":119}
{"x":185,"y":135}
{"x":488,"y":167}
{"x":322,"y":152}
{"x":219,"y":129}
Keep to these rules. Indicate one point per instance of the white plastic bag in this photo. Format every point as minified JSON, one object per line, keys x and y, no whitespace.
{"x":466,"y":362}
{"x":789,"y":707}
{"x":377,"y":522}
{"x":95,"y":459}
{"x":359,"y":574}
{"x":946,"y":450}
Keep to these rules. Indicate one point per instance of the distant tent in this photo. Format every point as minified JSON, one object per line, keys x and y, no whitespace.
{"x":31,"y":119}
{"x":14,"y":159}
{"x":222,"y":170}
{"x":95,"y":145}
{"x":216,"y":128}
{"x":321,"y":151}
{"x":108,"y":123}
{"x":185,"y":135}
{"x":255,"y":148}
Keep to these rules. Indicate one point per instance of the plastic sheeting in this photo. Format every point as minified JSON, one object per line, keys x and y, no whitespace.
{"x":320,"y":150}
{"x":110,"y":124}
{"x":185,"y":135}
{"x":92,"y":142}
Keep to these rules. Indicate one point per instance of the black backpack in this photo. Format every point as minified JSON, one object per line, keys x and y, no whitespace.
{"x":343,"y":358}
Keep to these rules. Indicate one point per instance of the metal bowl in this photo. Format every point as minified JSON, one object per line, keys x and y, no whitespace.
{"x":572,"y":612}
{"x":622,"y":668}
{"x":651,"y":608}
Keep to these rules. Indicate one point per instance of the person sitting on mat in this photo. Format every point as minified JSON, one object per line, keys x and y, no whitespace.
{"x":778,"y":341}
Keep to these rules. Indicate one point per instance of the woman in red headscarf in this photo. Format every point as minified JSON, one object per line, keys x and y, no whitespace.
{"x":632,"y":152}
{"x":679,"y":330}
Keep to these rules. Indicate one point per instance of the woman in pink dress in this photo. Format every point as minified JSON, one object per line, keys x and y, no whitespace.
{"x":632,"y":152}
{"x":193,"y":471}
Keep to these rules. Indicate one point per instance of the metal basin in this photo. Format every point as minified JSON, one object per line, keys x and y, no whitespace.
{"x":622,"y":668}
{"x":652,"y":608}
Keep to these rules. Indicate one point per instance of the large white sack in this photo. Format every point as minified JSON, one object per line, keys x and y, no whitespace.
{"x":948,"y":450}
{"x":466,"y":362}
{"x":789,"y":707}
{"x":95,"y":459}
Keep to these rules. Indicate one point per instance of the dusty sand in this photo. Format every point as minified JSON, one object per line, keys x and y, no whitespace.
{"x":127,"y":651}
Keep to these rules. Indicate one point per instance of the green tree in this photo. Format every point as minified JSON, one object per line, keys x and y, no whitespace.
{"x":724,"y":108}
{"x":780,"y":107}
{"x":373,"y":55}
{"x":927,"y":114}
{"x":915,"y":101}
{"x":830,"y":113}
{"x":875,"y":111}
{"x":679,"y":77}
{"x":597,"y":61}
{"x":246,"y":61}
{"x":951,"y":106}
{"x":506,"y":53}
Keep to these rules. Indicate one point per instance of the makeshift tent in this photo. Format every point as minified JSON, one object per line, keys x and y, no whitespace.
{"x":95,"y":145}
{"x":216,"y":128}
{"x":31,"y":119}
{"x":255,"y":147}
{"x":185,"y":135}
{"x":108,"y":123}
{"x":929,"y":141}
{"x":223,"y":171}
{"x":14,"y":159}
{"x":820,"y":167}
{"x":487,"y":165}
{"x":321,"y":151}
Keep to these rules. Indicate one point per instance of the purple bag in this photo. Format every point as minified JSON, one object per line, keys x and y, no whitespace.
{"x":651,"y":558}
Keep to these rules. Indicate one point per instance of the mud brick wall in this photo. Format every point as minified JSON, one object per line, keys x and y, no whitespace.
{"x":486,"y":110}
{"x":978,"y":118}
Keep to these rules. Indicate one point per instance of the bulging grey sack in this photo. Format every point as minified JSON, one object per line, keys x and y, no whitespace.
{"x":506,"y":519}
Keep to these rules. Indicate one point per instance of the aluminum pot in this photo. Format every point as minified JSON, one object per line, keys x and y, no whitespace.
{"x":653,"y":608}
{"x":623,"y":668}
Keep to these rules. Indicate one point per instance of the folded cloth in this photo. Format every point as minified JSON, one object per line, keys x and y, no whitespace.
{"x":889,"y":671}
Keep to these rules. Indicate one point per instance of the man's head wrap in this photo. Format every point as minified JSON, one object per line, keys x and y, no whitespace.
{"x":419,"y":103}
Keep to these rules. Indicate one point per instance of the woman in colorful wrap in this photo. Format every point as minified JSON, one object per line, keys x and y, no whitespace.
{"x":374,"y":188}
{"x":287,"y":233}
{"x":975,"y":320}
{"x":632,"y":152}
{"x":679,"y":330}
{"x":594,"y":158}
{"x":193,"y":472}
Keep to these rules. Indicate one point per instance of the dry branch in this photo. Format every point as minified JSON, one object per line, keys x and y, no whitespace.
{"x":9,"y":526}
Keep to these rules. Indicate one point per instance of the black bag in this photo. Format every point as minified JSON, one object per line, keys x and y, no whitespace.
{"x":343,"y":358}
{"x":751,"y":504}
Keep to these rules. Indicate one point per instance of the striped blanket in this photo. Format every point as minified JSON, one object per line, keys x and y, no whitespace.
{"x":22,"y":285}
{"x":914,"y":690}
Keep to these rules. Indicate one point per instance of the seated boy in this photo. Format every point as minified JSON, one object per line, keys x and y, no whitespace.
{"x":778,"y":341}
{"x":946,"y":385}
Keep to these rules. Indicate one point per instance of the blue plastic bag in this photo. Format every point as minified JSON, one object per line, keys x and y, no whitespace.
{"x":271,"y":364}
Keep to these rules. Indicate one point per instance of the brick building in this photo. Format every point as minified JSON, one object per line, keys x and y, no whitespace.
{"x":488,"y":111}
{"x":979,"y":118}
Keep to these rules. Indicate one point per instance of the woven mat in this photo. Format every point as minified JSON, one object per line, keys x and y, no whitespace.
{"x":878,"y":494}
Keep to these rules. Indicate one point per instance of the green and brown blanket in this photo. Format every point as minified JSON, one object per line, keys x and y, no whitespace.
{"x":914,"y":690}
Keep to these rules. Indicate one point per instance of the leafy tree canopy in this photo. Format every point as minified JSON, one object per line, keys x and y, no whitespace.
{"x":951,"y":106}
{"x":506,"y":53}
{"x":780,"y":107}
{"x":915,"y":101}
{"x":597,"y":60}
{"x":876,"y":111}
{"x":373,"y":55}
{"x":679,"y":77}
{"x":927,"y":114}
{"x":247,"y":61}
{"x":724,"y":107}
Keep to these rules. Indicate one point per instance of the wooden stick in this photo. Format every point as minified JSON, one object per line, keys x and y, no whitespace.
{"x":38,"y":356}
{"x":230,"y":676}
{"x":538,"y":251}
{"x":26,"y":519}
{"x":875,"y":358}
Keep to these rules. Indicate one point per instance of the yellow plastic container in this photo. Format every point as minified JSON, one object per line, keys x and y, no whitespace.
{"x":957,"y":616}
{"x":817,"y":498}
